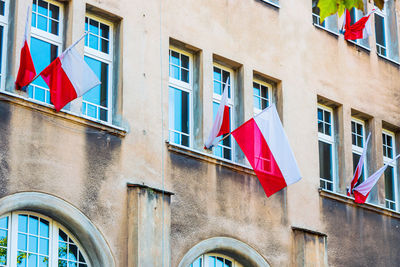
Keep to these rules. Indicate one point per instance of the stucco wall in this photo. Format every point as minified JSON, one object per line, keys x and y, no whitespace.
{"x":90,"y":169}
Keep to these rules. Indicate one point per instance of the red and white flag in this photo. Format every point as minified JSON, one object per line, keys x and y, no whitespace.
{"x":359,"y":168}
{"x":362,"y":191}
{"x":360,"y":29}
{"x":265,"y":144}
{"x":68,"y":77}
{"x":221,"y":124}
{"x":26,"y":71}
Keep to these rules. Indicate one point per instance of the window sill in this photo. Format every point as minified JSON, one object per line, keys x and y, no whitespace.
{"x":209,"y":158}
{"x":350,"y":201}
{"x":64,"y":114}
{"x":388,"y":59}
{"x":335,"y":34}
{"x":359,"y":46}
{"x":270,"y":3}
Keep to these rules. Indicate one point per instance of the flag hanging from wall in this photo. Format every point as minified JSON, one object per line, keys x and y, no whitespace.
{"x":221,"y":124}
{"x":68,"y":77}
{"x":26,"y":71}
{"x":362,"y":191}
{"x":361,"y":29}
{"x":265,"y":144}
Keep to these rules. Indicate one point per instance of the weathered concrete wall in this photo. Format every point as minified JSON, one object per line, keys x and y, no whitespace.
{"x":88,"y":168}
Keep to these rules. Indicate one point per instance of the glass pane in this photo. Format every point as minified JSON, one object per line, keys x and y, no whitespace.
{"x":217,"y":74}
{"x":44,"y":246}
{"x":44,"y":228}
{"x":104,"y":46}
{"x":219,"y":262}
{"x":327,"y":129}
{"x":98,"y":95}
{"x":93,"y":41}
{"x":104,"y":31}
{"x":3,"y":238}
{"x":180,"y":110}
{"x":327,"y":116}
{"x":42,"y":23}
{"x":54,"y":12}
{"x":353,"y":139}
{"x":73,"y":252}
{"x":185,"y":75}
{"x":389,"y":183}
{"x":380,"y":30}
{"x":1,"y":46}
{"x":23,"y":223}
{"x":33,"y":244}
{"x":185,"y":61}
{"x":4,"y":222}
{"x":325,"y":161}
{"x":320,"y":114}
{"x":174,"y":58}
{"x":33,"y":225}
{"x":62,"y":250}
{"x":32,"y":260}
{"x":22,"y":241}
{"x":42,"y":7}
{"x":54,"y":27}
{"x":81,"y":258}
{"x":43,"y":261}
{"x":217,"y":88}
{"x":174,"y":72}
{"x":256,"y":89}
{"x":62,"y":236}
{"x":94,"y":26}
{"x":103,"y":114}
{"x":353,"y":127}
{"x":211,"y":261}
{"x":62,"y":263}
{"x":21,"y":258}
{"x":2,"y":8}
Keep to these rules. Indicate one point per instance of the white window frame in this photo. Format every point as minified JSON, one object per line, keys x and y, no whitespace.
{"x":329,"y":140}
{"x":269,"y":99}
{"x":183,"y":86}
{"x":12,"y":244}
{"x":356,"y":149}
{"x":217,"y":99}
{"x":4,"y":23}
{"x":387,"y":160}
{"x":106,"y":58}
{"x":205,"y":262}
{"x":381,"y":13}
{"x":56,"y":40}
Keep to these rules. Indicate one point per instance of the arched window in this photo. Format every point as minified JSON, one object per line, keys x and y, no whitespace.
{"x":29,"y":239}
{"x":215,"y":260}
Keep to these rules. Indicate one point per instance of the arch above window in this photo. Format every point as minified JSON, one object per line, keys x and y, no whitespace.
{"x":242,"y":252}
{"x":97,"y":251}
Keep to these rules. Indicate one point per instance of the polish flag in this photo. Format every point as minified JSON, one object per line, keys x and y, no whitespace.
{"x":362,"y":191}
{"x":359,"y":168}
{"x":26,"y":71}
{"x":222,"y":122}
{"x":68,"y":77}
{"x":360,"y":29}
{"x":265,"y":144}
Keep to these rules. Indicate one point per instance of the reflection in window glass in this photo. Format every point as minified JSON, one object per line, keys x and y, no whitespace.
{"x":179,"y":116}
{"x":380,"y":34}
{"x":261,"y":96}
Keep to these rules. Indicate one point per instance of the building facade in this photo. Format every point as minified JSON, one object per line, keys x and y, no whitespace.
{"x":119,"y":177}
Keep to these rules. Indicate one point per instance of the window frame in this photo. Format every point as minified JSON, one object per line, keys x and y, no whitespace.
{"x":387,"y":160}
{"x":183,"y":86}
{"x":269,"y":99}
{"x":230,"y":102}
{"x":54,"y":227}
{"x":381,"y":13}
{"x":105,"y":58}
{"x":4,"y":21}
{"x":331,"y":141}
{"x":50,"y":38}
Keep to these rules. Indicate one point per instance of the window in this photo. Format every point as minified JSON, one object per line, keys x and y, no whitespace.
{"x":391,"y":171}
{"x":215,"y":260}
{"x":358,"y":140}
{"x":221,"y":76}
{"x":3,"y":40}
{"x":380,"y":33}
{"x":261,"y":95}
{"x":46,"y":43}
{"x":326,"y":148}
{"x":31,"y":240}
{"x":329,"y":24}
{"x":99,"y":56}
{"x":355,"y":15}
{"x":180,"y":97}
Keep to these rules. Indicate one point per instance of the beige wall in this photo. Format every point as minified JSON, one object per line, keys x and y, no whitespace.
{"x":90,"y":168}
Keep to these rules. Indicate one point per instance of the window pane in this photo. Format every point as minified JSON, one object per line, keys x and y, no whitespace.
{"x":42,"y":23}
{"x":174,"y":58}
{"x":185,"y":61}
{"x":179,"y":115}
{"x":389,"y":184}
{"x":325,"y":161}
{"x":356,"y":159}
{"x":54,"y":12}
{"x":1,"y":46}
{"x":104,"y":31}
{"x":42,"y":7}
{"x":54,"y":27}
{"x":98,"y":95}
{"x":380,"y":30}
{"x":2,"y":8}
